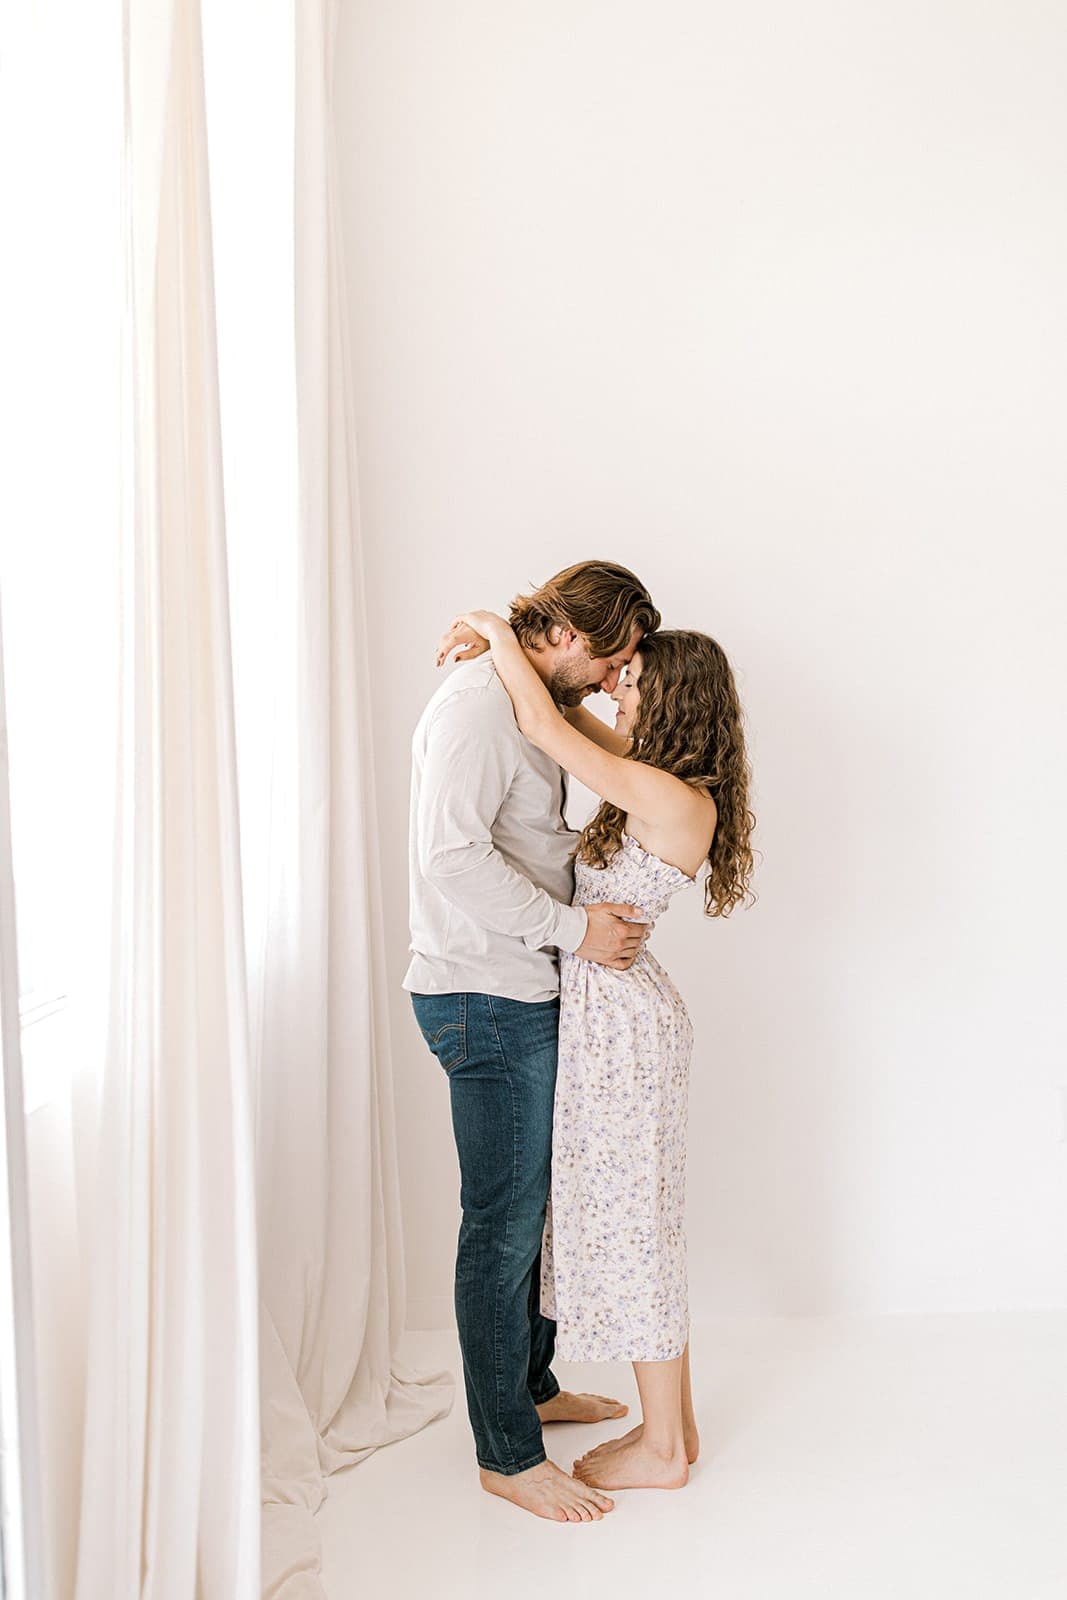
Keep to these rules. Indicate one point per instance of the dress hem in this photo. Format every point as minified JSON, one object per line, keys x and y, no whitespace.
{"x":565,"y":1352}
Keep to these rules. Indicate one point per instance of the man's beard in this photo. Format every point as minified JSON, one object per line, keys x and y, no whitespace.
{"x":568,"y":684}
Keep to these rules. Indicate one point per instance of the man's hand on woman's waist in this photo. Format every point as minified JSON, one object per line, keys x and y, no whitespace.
{"x":614,"y":936}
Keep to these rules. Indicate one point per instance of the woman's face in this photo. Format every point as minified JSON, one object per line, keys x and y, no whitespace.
{"x":626,"y":696}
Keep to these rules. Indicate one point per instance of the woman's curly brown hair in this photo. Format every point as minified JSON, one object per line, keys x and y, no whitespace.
{"x":689,"y":723}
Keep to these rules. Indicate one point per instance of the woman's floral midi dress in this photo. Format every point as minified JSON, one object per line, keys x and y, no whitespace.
{"x":613,"y":1263}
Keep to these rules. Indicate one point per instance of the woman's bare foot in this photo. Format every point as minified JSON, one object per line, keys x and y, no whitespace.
{"x":548,"y":1492}
{"x":689,"y":1434}
{"x":564,"y":1407}
{"x":634,"y":1465}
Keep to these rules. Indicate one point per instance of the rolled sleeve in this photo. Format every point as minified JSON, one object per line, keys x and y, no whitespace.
{"x":572,"y":927}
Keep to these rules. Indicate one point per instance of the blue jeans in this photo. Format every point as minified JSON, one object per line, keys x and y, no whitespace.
{"x":500,"y":1057}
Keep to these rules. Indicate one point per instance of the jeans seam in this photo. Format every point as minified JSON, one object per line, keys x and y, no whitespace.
{"x":463,"y":1036}
{"x":497,"y":1327}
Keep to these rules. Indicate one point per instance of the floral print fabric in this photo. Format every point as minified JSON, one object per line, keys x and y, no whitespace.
{"x":613,"y":1264}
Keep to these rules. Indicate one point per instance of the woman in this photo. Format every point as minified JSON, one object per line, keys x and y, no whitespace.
{"x":673,"y":781}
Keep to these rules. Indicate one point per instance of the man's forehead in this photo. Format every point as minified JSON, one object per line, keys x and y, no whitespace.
{"x":621,"y":658}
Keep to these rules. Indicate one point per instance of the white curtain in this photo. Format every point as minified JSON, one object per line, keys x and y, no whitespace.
{"x":25,"y":1568}
{"x":194,"y":1299}
{"x":170,"y":1483}
{"x":329,"y":1214}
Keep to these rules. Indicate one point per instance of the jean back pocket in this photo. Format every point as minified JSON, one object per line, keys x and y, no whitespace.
{"x":442,"y":1020}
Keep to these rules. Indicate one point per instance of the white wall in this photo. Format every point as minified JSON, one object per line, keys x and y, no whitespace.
{"x":767,"y":302}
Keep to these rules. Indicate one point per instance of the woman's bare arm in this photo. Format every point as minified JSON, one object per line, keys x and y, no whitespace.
{"x":643,"y":791}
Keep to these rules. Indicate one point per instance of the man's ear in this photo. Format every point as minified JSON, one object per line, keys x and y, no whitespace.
{"x":567,"y":637}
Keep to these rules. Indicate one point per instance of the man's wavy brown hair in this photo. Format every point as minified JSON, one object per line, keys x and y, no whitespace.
{"x":598,"y":599}
{"x":689,"y":723}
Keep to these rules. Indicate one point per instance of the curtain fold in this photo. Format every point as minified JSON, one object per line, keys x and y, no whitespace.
{"x":331,"y":1262}
{"x":169,"y":1499}
{"x":247,"y":1282}
{"x":26,"y":1569}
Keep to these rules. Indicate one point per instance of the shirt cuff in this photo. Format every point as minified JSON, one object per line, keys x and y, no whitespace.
{"x":572,"y":929}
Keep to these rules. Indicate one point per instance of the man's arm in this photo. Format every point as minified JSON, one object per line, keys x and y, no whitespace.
{"x":467,"y":771}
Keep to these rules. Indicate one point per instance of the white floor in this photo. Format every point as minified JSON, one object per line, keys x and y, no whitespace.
{"x":903,"y":1458}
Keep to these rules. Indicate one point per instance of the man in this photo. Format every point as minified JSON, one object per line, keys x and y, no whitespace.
{"x":491,"y":885}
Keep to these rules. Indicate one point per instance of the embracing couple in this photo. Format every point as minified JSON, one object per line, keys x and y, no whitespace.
{"x":565,"y":1043}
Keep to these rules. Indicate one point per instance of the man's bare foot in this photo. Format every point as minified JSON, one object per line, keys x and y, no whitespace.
{"x":548,"y":1492}
{"x":689,"y":1434}
{"x":634,"y":1465}
{"x":564,"y":1407}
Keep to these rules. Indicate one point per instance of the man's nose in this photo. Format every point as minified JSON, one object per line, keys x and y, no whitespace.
{"x":610,"y":682}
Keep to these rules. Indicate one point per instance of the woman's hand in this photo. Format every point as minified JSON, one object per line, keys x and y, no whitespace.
{"x":463,"y":642}
{"x":470,"y":635}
